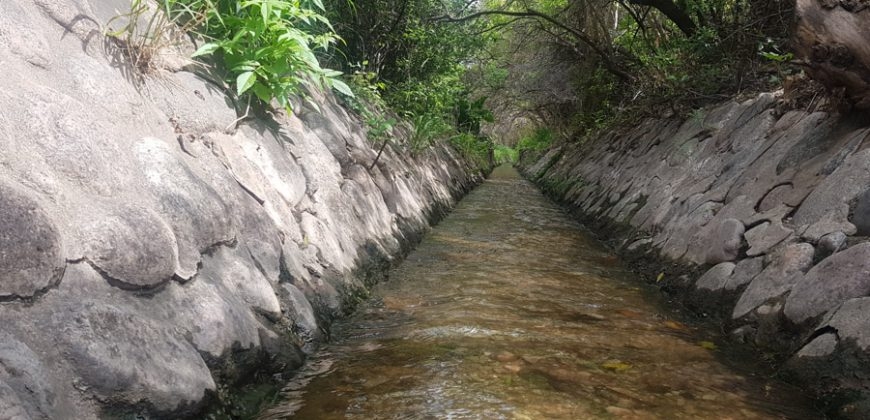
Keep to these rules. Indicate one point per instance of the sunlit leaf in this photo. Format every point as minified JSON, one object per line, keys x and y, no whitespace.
{"x":206,"y":49}
{"x":674,"y":325}
{"x":341,"y":87}
{"x":245,"y":81}
{"x":616,"y":366}
{"x":709,"y":345}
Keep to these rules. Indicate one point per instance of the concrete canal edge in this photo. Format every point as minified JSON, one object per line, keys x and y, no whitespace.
{"x":154,"y":257}
{"x":756,"y":217}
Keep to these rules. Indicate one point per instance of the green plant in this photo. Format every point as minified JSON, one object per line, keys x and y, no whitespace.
{"x":476,"y":149}
{"x":771,"y":52}
{"x":426,"y":129}
{"x":416,"y":63}
{"x":145,"y":30}
{"x":504,"y":154}
{"x":470,"y":114}
{"x":538,"y":140}
{"x":267,"y":46}
{"x":379,"y":127}
{"x":365,"y":92}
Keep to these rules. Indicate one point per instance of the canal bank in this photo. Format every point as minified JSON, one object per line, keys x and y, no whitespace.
{"x":747,"y":214}
{"x":160,"y":247}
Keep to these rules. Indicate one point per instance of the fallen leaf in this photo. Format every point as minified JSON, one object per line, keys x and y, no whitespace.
{"x":709,"y":345}
{"x":616,"y":366}
{"x":674,"y":325}
{"x":660,"y":277}
{"x":628,"y":313}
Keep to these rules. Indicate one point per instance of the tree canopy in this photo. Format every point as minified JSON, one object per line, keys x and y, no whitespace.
{"x":570,"y":65}
{"x":574,"y":65}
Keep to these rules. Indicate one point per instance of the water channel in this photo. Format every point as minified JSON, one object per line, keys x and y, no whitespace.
{"x":510,"y":310}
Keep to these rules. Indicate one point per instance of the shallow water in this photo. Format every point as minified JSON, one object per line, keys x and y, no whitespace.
{"x":509,"y":310}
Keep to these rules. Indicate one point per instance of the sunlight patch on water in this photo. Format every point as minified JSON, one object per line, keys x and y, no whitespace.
{"x":461,"y":331}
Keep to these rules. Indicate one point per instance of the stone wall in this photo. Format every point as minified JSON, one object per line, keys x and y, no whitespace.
{"x":767,"y":215}
{"x":152,"y":255}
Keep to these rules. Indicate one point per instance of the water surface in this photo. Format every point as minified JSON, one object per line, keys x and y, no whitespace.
{"x":509,"y":310}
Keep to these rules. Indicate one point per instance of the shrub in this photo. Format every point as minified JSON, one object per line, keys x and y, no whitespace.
{"x":266,"y":46}
{"x":538,"y":140}
{"x":476,"y":149}
{"x":503,"y":154}
{"x":427,"y":128}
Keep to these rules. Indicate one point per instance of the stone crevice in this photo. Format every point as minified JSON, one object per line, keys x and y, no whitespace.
{"x":209,"y":250}
{"x":140,"y":290}
{"x":52,"y":284}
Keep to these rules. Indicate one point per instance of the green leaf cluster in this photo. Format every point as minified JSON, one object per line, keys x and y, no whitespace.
{"x":504,"y":154}
{"x":427,"y":129}
{"x":417,"y":63}
{"x":476,"y":149}
{"x":267,"y":46}
{"x":539,"y":139}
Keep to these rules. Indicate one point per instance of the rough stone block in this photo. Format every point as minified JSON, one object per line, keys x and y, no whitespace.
{"x":785,"y":268}
{"x":852,"y":322}
{"x":716,"y":277}
{"x":826,"y":209}
{"x":841,"y":276}
{"x":861,"y":214}
{"x":30,"y":250}
{"x":130,"y":358}
{"x":744,"y":272}
{"x":725,"y":242}
{"x":766,"y":236}
{"x":22,"y":371}
{"x":821,"y":346}
{"x":132,"y":246}
{"x":831,"y":243}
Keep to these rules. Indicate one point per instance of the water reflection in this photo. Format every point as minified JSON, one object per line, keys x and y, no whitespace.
{"x":507,"y":310}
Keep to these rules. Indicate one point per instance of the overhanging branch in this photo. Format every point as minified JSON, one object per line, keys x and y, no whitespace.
{"x":582,"y":37}
{"x":672,"y":12}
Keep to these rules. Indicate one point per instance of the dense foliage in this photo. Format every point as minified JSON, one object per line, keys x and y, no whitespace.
{"x":579,"y":65}
{"x":569,"y":65}
{"x":402,"y":58}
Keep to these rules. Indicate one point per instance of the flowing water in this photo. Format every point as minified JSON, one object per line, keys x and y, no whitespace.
{"x":509,"y":310}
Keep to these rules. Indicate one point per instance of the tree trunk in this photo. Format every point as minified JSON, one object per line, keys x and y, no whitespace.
{"x":672,"y":12}
{"x":833,"y":38}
